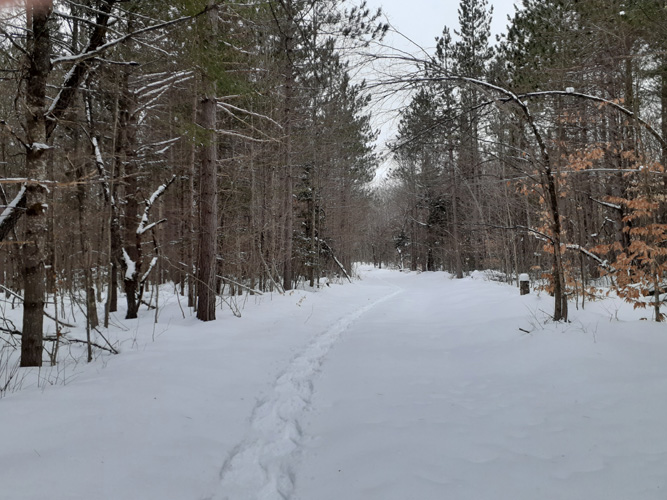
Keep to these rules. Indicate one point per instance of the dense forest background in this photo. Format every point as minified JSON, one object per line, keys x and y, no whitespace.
{"x":225,"y":147}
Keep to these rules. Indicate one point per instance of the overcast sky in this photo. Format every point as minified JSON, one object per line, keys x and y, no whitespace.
{"x":423,"y":20}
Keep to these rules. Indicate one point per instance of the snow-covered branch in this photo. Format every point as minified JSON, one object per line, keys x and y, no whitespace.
{"x":148,"y":271}
{"x":243,"y":136}
{"x":164,"y":81}
{"x":81,"y":62}
{"x":99,"y":159}
{"x":538,"y":234}
{"x":326,"y":246}
{"x":144,"y":225}
{"x":130,"y":266}
{"x":93,"y":52}
{"x":151,"y":226}
{"x":606,"y":204}
{"x":231,"y":107}
{"x":12,"y":212}
{"x":167,"y":143}
{"x":601,"y":262}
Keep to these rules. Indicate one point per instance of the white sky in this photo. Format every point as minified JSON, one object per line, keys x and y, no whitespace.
{"x":423,"y":20}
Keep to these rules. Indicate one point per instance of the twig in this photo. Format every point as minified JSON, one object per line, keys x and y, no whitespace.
{"x":223,"y":278}
{"x":59,"y":322}
{"x":112,"y":348}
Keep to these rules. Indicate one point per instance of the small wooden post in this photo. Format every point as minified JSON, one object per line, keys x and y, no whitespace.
{"x":524,"y":284}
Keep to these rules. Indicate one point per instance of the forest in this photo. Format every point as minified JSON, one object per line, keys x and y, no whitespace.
{"x":228,"y":148}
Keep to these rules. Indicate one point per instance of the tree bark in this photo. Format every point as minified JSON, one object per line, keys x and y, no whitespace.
{"x":131,"y":246}
{"x":208,"y":216}
{"x":208,"y":197}
{"x":288,"y":118}
{"x":34,"y":251}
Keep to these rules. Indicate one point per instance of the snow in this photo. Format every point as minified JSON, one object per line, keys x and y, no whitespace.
{"x":152,"y":264}
{"x":143,"y":225}
{"x":401,"y":385}
{"x":131,"y":266}
{"x":40,"y":146}
{"x":9,"y":209}
{"x":98,"y":153}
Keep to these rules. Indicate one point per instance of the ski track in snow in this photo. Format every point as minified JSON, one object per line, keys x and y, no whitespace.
{"x":261,"y":466}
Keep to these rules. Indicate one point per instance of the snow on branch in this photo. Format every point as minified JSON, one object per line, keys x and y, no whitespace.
{"x":602,"y":263}
{"x":157,"y":93}
{"x":167,"y":143}
{"x":99,"y":159}
{"x":151,"y":226}
{"x":231,"y":107}
{"x":170,"y":79}
{"x":606,"y":204}
{"x":223,"y":107}
{"x":144,"y":225}
{"x":12,"y":212}
{"x":333,"y":256}
{"x":243,"y":136}
{"x":81,"y":62}
{"x":537,"y":234}
{"x":150,"y":268}
{"x":130,"y":266}
{"x":93,"y":52}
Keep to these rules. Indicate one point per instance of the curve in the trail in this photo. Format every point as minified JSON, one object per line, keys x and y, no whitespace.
{"x":261,"y":466}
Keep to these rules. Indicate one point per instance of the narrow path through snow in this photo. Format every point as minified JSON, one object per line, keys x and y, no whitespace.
{"x":261,"y":466}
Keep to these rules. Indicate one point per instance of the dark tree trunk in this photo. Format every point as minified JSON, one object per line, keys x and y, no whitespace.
{"x":208,"y":199}
{"x":192,"y":213}
{"x":288,"y":118}
{"x":34,"y":251}
{"x":131,"y":248}
{"x":208,"y":217}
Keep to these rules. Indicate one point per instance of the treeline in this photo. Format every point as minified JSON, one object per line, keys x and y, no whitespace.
{"x":218,"y":145}
{"x":542,"y":153}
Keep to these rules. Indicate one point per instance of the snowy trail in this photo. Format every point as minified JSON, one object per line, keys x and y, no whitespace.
{"x":440,"y":396}
{"x":401,"y":386}
{"x":261,"y":466}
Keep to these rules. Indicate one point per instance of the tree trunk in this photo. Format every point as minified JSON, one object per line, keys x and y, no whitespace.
{"x":455,"y":220}
{"x":131,"y":248}
{"x":208,"y":198}
{"x":208,"y":216}
{"x":288,"y":118}
{"x":192,"y":212}
{"x":560,"y":297}
{"x":34,"y":251}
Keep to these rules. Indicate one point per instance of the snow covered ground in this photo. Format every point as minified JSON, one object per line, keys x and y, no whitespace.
{"x":402,"y":386}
